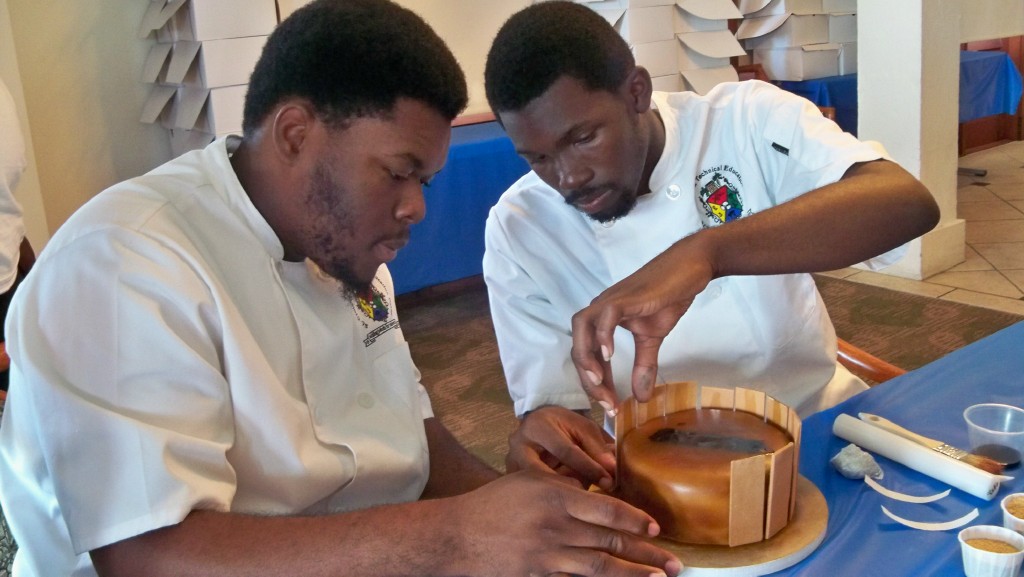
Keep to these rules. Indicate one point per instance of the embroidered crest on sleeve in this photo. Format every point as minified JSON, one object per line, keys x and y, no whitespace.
{"x":719,"y":193}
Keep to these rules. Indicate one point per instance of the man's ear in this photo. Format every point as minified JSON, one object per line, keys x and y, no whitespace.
{"x":638,"y":88}
{"x":291,"y":129}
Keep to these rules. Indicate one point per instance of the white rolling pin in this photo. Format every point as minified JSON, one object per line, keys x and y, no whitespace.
{"x":919,"y":458}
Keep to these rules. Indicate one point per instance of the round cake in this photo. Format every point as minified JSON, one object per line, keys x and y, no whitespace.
{"x":679,"y":469}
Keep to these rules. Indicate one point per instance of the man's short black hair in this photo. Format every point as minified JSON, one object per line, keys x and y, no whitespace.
{"x":541,"y":43}
{"x":354,"y":58}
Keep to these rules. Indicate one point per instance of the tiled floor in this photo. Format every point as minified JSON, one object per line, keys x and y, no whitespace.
{"x":992,"y":276}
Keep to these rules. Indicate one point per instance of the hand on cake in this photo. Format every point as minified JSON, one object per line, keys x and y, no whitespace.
{"x":649,"y":304}
{"x":555,"y":439}
{"x":533,"y":523}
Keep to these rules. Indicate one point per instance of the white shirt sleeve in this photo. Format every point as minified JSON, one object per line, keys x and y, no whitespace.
{"x":529,"y":327}
{"x":129,"y":447}
{"x":817,"y":152}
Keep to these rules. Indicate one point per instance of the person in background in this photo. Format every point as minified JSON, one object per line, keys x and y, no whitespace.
{"x":664,"y":237}
{"x":16,"y":254}
{"x":208,"y":374}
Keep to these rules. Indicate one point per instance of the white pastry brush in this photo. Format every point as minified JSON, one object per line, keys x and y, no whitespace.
{"x":979,"y":461}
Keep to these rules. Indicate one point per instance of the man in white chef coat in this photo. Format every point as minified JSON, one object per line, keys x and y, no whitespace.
{"x":663,"y":237}
{"x":209,"y":377}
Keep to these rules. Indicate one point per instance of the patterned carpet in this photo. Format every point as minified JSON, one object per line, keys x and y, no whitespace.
{"x":452,"y":342}
{"x":904,"y":329}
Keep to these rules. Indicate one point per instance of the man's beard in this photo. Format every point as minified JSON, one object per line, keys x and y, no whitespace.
{"x":622,"y":206}
{"x":349,"y":290}
{"x":328,"y":200}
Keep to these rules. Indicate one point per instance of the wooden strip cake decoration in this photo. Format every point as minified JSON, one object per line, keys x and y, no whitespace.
{"x":713,"y":466}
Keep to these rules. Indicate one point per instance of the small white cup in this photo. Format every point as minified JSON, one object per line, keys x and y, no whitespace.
{"x":981,"y":563}
{"x":1011,"y":521}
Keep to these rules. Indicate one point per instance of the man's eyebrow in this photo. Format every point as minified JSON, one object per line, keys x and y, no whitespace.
{"x":575,"y":129}
{"x":414,"y":160}
{"x":565,"y":138}
{"x":417,"y":164}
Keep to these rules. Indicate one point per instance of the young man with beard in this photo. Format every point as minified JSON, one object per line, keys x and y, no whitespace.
{"x":689,"y":221}
{"x":208,"y":374}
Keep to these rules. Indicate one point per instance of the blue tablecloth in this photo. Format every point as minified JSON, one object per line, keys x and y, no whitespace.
{"x":839,"y":92}
{"x":449,"y":243}
{"x":862,"y":541}
{"x":989,"y":84}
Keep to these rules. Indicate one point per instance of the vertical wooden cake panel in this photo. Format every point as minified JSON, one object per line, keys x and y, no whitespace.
{"x":658,"y":402}
{"x":795,"y":430}
{"x":746,"y":500}
{"x":777,"y":413}
{"x":682,"y":396}
{"x":780,"y":494}
{"x":644,"y":411}
{"x":639,"y":413}
{"x":750,"y":401}
{"x":716,"y":398}
{"x":625,"y":421}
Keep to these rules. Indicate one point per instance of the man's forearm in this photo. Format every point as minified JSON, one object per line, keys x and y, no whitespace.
{"x":407,"y":539}
{"x":876,"y":207}
{"x":548,"y":526}
{"x":453,"y":469}
{"x":396,"y":540}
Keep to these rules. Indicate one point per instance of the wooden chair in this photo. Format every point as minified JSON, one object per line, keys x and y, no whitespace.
{"x":751,"y":72}
{"x":865,"y":365}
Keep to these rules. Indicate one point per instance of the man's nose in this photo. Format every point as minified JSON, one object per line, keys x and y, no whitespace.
{"x":573,"y":174}
{"x":412,"y":206}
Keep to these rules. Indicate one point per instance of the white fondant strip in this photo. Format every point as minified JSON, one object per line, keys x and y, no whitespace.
{"x":955,"y":523}
{"x":903,"y":496}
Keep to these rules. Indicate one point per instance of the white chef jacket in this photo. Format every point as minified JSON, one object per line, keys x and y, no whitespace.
{"x":12,"y":165}
{"x":741,"y":149}
{"x":166,"y":359}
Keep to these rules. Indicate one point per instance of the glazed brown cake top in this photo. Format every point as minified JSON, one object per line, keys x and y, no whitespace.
{"x":696,"y":438}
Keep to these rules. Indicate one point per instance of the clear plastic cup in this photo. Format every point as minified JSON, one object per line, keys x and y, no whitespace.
{"x":981,"y":562}
{"x":996,"y":431}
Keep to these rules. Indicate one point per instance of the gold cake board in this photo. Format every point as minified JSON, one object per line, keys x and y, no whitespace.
{"x":803,"y":534}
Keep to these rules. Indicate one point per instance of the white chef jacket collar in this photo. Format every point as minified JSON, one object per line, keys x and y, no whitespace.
{"x":217,"y":157}
{"x":662,"y":174}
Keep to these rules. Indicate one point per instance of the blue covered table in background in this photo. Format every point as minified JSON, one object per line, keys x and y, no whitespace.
{"x":989,"y":84}
{"x":839,"y":92}
{"x":449,"y":243}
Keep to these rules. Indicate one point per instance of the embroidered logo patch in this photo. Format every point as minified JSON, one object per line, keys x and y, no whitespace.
{"x":719,"y":195}
{"x":373,"y":304}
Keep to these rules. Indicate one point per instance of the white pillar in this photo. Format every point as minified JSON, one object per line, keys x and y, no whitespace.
{"x":908,"y":73}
